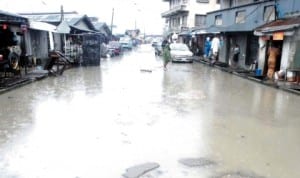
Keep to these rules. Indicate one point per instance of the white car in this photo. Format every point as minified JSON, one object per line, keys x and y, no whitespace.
{"x":180,"y":52}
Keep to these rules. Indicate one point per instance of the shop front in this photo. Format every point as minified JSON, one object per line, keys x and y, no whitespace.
{"x":12,"y":43}
{"x":279,"y":48}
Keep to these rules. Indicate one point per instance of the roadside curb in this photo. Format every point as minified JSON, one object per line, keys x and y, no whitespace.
{"x":245,"y":76}
{"x":27,"y":80}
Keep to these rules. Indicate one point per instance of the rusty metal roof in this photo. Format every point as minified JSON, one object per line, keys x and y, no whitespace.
{"x":280,"y":25}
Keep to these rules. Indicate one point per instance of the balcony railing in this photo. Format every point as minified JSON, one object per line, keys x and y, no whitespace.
{"x":178,"y":29}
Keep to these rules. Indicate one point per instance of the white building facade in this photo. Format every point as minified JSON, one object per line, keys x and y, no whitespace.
{"x":184,"y":15}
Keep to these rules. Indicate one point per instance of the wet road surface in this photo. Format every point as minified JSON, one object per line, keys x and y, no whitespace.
{"x":130,"y":118}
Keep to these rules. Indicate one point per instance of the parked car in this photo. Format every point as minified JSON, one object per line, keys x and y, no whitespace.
{"x":115,"y":47}
{"x":180,"y":52}
{"x":126,"y":43}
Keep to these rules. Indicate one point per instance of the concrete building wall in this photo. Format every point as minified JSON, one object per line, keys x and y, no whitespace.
{"x":293,"y":51}
{"x":288,"y":6}
{"x":196,"y":8}
{"x":262,"y":54}
{"x":285,"y":55}
{"x":193,"y":8}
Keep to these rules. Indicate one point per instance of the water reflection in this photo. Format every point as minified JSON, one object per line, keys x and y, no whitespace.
{"x":93,"y":120}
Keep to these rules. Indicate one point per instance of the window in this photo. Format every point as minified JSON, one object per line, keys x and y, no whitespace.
{"x":203,"y":1}
{"x":235,"y":3}
{"x":269,"y":13}
{"x":240,"y":17}
{"x":184,"y":21}
{"x":199,"y":20}
{"x":218,"y":20}
{"x":175,"y":22}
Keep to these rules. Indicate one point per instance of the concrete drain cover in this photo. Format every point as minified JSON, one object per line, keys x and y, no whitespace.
{"x":139,"y":170}
{"x":238,"y":175}
{"x":196,"y":162}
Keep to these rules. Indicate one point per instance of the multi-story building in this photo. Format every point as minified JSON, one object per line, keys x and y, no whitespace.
{"x":185,"y":15}
{"x":237,"y":20}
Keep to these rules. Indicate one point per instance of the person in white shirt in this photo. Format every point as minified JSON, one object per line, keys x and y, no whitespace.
{"x":215,"y":46}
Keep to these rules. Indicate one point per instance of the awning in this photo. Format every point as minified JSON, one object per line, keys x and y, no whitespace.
{"x":42,"y":26}
{"x":203,"y":31}
{"x":287,"y":26}
{"x":185,"y":33}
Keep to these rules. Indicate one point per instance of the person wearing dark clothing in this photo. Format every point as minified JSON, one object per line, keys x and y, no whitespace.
{"x":166,"y":53}
{"x":235,"y":57}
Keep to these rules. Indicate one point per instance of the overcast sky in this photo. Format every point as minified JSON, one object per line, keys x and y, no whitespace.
{"x":146,"y":14}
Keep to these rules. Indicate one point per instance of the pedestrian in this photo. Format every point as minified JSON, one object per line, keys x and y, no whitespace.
{"x":207,"y":47}
{"x":273,"y":53}
{"x":215,"y":46}
{"x":166,"y":53}
{"x":235,"y":57}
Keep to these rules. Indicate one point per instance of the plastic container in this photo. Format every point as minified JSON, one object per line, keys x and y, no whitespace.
{"x":258,"y":72}
{"x":291,"y":76}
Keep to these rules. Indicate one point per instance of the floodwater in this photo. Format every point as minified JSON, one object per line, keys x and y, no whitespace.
{"x":192,"y":120}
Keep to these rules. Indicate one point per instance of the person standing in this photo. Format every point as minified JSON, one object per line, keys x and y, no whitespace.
{"x":235,"y":57}
{"x":273,"y":53}
{"x":215,"y":46}
{"x":207,"y":47}
{"x":166,"y":53}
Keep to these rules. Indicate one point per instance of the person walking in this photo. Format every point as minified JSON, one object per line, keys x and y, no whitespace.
{"x":166,"y":53}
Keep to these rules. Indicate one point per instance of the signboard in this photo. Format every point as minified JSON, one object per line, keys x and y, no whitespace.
{"x":91,"y":50}
{"x":278,"y":36}
{"x":265,"y":38}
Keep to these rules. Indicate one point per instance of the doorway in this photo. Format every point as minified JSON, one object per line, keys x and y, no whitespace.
{"x":275,"y":43}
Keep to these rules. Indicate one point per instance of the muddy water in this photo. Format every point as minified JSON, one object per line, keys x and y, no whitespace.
{"x":100,"y":121}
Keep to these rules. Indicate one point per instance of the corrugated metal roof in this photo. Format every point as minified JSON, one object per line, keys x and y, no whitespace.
{"x":42,"y":26}
{"x":10,"y":14}
{"x":70,"y":18}
{"x":99,"y":25}
{"x":12,"y":18}
{"x":280,"y":25}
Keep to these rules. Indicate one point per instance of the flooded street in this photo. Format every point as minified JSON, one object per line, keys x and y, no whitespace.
{"x":191,"y":121}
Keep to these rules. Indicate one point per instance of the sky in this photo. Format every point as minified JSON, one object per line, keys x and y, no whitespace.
{"x":128,"y":14}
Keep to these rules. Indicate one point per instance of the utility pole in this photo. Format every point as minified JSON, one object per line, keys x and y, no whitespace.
{"x":112,"y":23}
{"x":62,"y":13}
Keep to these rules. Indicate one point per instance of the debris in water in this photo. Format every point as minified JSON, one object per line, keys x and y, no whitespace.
{"x":197,"y":162}
{"x":146,"y":70}
{"x":139,"y":170}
